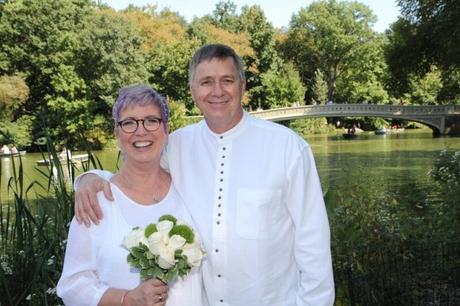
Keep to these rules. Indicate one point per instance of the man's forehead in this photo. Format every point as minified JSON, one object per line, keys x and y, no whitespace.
{"x":210,"y":67}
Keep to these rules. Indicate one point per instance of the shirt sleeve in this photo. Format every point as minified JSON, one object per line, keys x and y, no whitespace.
{"x":79,"y":284}
{"x":312,"y":235}
{"x":107,"y":175}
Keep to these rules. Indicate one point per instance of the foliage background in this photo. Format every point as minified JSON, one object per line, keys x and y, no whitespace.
{"x":67,"y":59}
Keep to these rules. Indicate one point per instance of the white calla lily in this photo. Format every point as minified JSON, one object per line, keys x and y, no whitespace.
{"x":176,"y":242}
{"x":135,"y":237}
{"x":194,"y":254}
{"x":155,"y":242}
{"x":166,"y":259}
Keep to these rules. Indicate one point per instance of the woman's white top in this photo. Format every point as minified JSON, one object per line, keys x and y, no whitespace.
{"x":95,"y":259}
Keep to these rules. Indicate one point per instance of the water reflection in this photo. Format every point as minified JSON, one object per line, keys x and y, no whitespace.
{"x":397,"y":158}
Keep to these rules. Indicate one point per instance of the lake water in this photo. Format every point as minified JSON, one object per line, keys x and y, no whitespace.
{"x":398,"y":158}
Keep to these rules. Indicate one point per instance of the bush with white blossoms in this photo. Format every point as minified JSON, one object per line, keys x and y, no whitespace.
{"x":164,"y":250}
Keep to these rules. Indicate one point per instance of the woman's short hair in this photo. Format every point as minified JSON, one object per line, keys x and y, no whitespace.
{"x":212,"y":51}
{"x":139,"y":95}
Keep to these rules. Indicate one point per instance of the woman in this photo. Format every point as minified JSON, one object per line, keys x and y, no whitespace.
{"x":95,"y":268}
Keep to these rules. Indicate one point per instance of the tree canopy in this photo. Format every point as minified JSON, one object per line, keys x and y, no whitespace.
{"x":68,"y":59}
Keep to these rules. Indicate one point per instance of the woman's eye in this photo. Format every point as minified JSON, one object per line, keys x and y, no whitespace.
{"x":129,"y":123}
{"x":152,"y":121}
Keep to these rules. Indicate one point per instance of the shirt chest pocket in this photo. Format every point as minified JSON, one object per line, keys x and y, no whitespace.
{"x":256,"y":212}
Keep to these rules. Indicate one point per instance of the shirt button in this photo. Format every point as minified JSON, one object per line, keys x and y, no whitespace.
{"x":219,"y":214}
{"x":221,"y":301}
{"x":222,"y":164}
{"x":217,"y":250}
{"x":223,"y":156}
{"x":223,"y":148}
{"x":218,"y":222}
{"x":221,"y":137}
{"x":221,"y":172}
{"x":219,"y":205}
{"x":218,"y":275}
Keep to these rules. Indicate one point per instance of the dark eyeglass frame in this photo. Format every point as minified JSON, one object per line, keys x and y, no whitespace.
{"x":159,"y":120}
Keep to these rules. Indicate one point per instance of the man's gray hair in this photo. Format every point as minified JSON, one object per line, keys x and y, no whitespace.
{"x":212,"y":51}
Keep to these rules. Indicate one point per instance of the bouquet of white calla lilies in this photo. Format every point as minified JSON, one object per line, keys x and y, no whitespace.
{"x":164,"y":250}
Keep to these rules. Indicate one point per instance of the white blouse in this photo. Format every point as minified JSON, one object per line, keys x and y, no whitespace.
{"x":95,"y":260}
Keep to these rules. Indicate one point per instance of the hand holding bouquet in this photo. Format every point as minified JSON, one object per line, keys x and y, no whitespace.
{"x":164,"y":250}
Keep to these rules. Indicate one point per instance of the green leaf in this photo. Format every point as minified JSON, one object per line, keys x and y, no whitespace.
{"x":137,"y":252}
{"x":150,"y":229}
{"x":168,"y":218}
{"x":183,"y":231}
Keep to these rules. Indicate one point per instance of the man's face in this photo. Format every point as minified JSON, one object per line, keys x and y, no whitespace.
{"x":217,"y":90}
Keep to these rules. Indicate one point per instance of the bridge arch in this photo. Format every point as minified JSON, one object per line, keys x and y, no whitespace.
{"x":434,"y":116}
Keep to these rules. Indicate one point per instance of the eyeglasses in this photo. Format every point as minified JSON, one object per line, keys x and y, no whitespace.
{"x":150,"y":124}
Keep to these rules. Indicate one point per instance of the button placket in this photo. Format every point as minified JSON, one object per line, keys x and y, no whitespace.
{"x":220,"y":180}
{"x":219,"y":212}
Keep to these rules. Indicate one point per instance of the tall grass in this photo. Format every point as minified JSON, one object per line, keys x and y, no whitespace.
{"x":34,"y":222}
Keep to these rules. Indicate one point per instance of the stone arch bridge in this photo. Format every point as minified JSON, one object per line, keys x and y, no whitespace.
{"x":441,"y":118}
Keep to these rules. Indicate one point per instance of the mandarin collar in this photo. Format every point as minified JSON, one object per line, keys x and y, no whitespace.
{"x":230,"y":134}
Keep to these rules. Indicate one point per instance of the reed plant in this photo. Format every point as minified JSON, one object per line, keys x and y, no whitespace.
{"x":34,"y":221}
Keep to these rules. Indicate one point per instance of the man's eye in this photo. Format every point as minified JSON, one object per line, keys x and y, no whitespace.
{"x":207,"y":82}
{"x":228,"y":81}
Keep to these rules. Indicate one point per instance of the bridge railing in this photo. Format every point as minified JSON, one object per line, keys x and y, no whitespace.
{"x":364,"y":109}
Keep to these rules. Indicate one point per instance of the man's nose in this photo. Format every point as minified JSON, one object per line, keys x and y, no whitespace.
{"x":217,"y":89}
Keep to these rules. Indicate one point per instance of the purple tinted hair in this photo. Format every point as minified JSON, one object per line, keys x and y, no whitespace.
{"x":139,"y":95}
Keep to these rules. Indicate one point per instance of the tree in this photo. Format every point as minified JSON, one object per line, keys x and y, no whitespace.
{"x":224,"y":16}
{"x":156,"y":28}
{"x":74,"y":58}
{"x":206,"y":32}
{"x":264,"y":60}
{"x":42,"y":49}
{"x":177,"y":115}
{"x":437,"y":28}
{"x":319,"y":88}
{"x":331,"y":36}
{"x":425,"y":90}
{"x":168,"y":68}
{"x":283,"y":87}
{"x":402,"y":54}
{"x":14,"y":127}
{"x":13,"y":94}
{"x":428,"y":33}
{"x":366,"y":76}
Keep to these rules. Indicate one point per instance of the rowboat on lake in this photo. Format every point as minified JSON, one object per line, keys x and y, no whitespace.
{"x":75,"y":159}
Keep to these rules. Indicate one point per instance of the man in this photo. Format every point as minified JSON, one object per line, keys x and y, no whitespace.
{"x":253,"y":190}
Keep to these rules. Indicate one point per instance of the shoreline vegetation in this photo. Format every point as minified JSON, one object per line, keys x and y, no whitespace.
{"x":383,"y":254}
